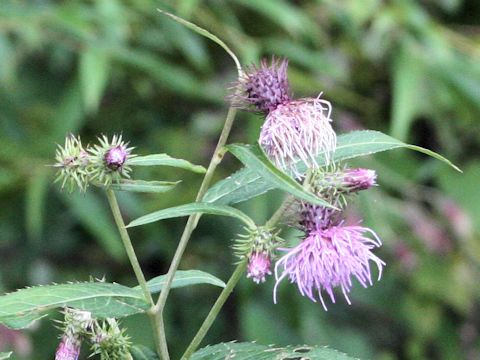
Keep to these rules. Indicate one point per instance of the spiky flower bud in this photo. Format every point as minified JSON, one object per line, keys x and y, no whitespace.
{"x":359,"y":179}
{"x":263,"y":88}
{"x":258,"y":246}
{"x":109,"y":341}
{"x":72,"y":161}
{"x":336,"y":182}
{"x":109,"y":160}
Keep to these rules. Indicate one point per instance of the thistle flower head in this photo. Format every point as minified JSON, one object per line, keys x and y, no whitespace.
{"x":72,"y":161}
{"x":299,"y":130}
{"x":116,"y":156}
{"x":263,"y":88}
{"x":258,"y":267}
{"x":68,"y":349}
{"x":109,"y":341}
{"x":328,"y":259}
{"x":75,"y":322}
{"x":359,"y":179}
{"x":74,"y":326}
{"x":109,"y":160}
{"x":315,"y":217}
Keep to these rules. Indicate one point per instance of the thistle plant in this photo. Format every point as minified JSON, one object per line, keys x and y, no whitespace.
{"x":296,"y":153}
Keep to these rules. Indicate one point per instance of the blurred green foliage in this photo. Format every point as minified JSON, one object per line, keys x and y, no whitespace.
{"x":408,"y":68}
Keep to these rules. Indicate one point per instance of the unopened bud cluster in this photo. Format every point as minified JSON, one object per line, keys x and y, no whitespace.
{"x":107,"y":339}
{"x":101,"y":164}
{"x":258,"y":246}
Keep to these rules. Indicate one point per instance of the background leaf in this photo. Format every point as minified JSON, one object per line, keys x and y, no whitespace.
{"x":94,"y":67}
{"x":94,"y":215}
{"x":140,"y":352}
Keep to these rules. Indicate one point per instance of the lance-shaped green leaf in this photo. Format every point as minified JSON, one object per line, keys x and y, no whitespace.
{"x":246,"y":184}
{"x":244,"y":351}
{"x":19,"y":309}
{"x":143,"y":186}
{"x":101,"y":299}
{"x":189,"y":209}
{"x":164,"y":160}
{"x":254,"y":159}
{"x":184,"y":278}
{"x":21,"y":322}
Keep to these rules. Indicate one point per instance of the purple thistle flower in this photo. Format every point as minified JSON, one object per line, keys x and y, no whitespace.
{"x":328,"y":258}
{"x":264,"y":88}
{"x":116,"y":157}
{"x":258,"y":267}
{"x":359,"y":179}
{"x":68,"y":349}
{"x":299,"y":130}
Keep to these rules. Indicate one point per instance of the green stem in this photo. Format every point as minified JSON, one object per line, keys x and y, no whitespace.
{"x":127,"y":243}
{"x":212,"y":315}
{"x":187,"y":232}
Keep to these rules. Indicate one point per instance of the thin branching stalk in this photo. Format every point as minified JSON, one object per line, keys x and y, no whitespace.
{"x":189,"y":227}
{"x":127,"y":244}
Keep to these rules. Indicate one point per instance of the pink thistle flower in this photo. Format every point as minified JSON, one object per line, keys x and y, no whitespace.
{"x":116,"y":156}
{"x":68,"y":349}
{"x":299,"y":130}
{"x":263,"y":89}
{"x":359,"y":179}
{"x":258,"y":267}
{"x":327,"y":259}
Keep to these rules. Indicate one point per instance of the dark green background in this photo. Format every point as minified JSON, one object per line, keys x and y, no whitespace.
{"x":408,"y":68}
